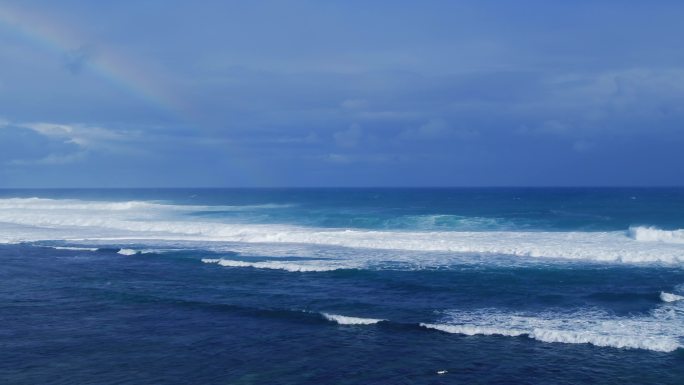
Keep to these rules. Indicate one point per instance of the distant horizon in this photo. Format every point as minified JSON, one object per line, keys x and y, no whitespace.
{"x":342,"y":187}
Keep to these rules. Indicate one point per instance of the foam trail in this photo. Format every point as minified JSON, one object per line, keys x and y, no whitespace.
{"x":74,"y":248}
{"x":472,"y":330}
{"x":662,"y":331}
{"x":143,"y":251}
{"x":346,"y":320}
{"x":72,"y":204}
{"x":299,"y":267}
{"x":127,"y":252}
{"x":45,"y":204}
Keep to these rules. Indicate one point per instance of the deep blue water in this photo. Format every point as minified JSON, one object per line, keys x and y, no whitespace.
{"x":494,"y":286}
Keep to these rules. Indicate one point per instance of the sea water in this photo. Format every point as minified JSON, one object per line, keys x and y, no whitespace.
{"x":342,"y":286}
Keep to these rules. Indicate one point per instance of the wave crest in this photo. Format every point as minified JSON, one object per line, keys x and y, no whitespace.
{"x":652,"y":234}
{"x":291,"y":266}
{"x":73,"y":220}
{"x":661,"y":331}
{"x":346,"y":320}
{"x":46,"y":204}
{"x":669,"y":297}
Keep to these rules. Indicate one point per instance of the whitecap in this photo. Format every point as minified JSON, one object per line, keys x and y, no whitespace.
{"x":74,"y":248}
{"x":346,"y":320}
{"x":135,"y":220}
{"x":46,"y":204}
{"x":471,"y":330}
{"x":669,"y":297}
{"x":127,"y":252}
{"x":653,"y":234}
{"x":291,"y":266}
{"x":660,"y":331}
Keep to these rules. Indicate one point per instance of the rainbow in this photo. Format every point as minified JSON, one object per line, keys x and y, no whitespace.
{"x":121,"y":71}
{"x":115,"y":68}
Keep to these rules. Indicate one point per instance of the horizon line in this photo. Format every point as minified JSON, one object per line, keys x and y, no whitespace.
{"x":334,"y":187}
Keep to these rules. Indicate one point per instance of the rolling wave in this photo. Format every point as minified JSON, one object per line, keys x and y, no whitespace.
{"x":652,"y":234}
{"x":346,"y":320}
{"x":121,"y":251}
{"x":73,"y":248}
{"x":47,"y":219}
{"x":669,"y":297}
{"x":46,"y":204}
{"x":661,"y":331}
{"x":291,"y":266}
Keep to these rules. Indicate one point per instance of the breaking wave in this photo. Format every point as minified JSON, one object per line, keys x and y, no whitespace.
{"x":35,"y":219}
{"x":669,"y":297}
{"x":346,"y":320}
{"x":301,"y":267}
{"x":652,"y":234}
{"x":122,"y":251}
{"x":44,"y":204}
{"x":661,"y":331}
{"x":73,"y":248}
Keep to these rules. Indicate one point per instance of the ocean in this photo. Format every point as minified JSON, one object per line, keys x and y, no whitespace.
{"x":342,"y":286}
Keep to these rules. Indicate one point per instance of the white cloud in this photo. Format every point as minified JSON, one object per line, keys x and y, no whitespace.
{"x":57,"y":143}
{"x":86,"y":137}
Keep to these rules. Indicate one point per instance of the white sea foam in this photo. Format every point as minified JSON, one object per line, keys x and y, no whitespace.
{"x":44,"y":219}
{"x":471,"y":330}
{"x":141,"y":251}
{"x":661,"y":331}
{"x":346,"y":320}
{"x":669,"y":297}
{"x":652,"y":234}
{"x":71,"y":204}
{"x":74,"y":248}
{"x":596,"y":246}
{"x":293,"y":266}
{"x":44,"y":204}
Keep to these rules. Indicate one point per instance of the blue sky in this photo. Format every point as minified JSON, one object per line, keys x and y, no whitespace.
{"x":341,"y":93}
